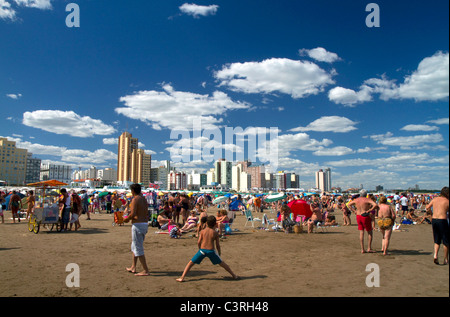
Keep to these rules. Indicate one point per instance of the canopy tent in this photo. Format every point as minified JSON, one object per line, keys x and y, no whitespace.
{"x":49,"y":183}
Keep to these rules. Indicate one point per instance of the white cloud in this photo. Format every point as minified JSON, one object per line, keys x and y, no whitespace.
{"x":14,"y":96}
{"x":68,"y":156}
{"x":430,"y":82}
{"x":176,"y":109}
{"x":198,"y":10}
{"x":407,"y":141}
{"x":300,"y":141}
{"x":39,"y":4}
{"x":336,"y":151}
{"x":419,"y":127}
{"x":111,"y":141}
{"x":6,"y":12}
{"x":292,"y":77}
{"x":329,"y":124}
{"x":320,"y":54}
{"x":66,"y":122}
{"x":439,"y":121}
{"x":397,"y":160}
{"x":349,"y":97}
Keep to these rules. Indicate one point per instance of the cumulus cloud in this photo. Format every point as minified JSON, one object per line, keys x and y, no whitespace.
{"x":66,"y":122}
{"x":296,"y":78}
{"x":39,"y":4}
{"x":198,"y":10}
{"x":349,"y":97}
{"x":429,"y":82}
{"x":14,"y":96}
{"x":407,"y":141}
{"x":329,"y":124}
{"x":335,"y":151}
{"x":176,"y":109}
{"x":300,"y":141}
{"x":66,"y":155}
{"x":6,"y":12}
{"x":320,"y":54}
{"x":439,"y":121}
{"x":419,"y":127}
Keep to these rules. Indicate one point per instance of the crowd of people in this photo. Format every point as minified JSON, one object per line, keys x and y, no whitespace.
{"x":180,"y":213}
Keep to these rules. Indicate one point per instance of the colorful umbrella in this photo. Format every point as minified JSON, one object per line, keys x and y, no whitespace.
{"x":219,"y":200}
{"x":275,"y":197}
{"x":300,"y":207}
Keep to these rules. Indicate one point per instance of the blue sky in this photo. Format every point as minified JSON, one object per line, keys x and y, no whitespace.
{"x":370,"y":103}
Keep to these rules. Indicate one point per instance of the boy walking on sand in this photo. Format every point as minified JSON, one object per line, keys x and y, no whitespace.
{"x":206,"y":240}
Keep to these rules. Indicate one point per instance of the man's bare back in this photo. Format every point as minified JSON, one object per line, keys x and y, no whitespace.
{"x":440,"y":207}
{"x":139,"y":209}
{"x":363,"y":205}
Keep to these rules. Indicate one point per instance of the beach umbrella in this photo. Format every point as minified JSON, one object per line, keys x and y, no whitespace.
{"x":220,"y":199}
{"x":103,"y":194}
{"x":300,"y":207}
{"x":275,"y":197}
{"x":7,"y":198}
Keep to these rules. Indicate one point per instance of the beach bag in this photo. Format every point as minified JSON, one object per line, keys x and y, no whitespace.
{"x":298,"y":228}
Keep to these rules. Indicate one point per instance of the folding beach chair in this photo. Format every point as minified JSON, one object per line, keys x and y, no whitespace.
{"x":249,"y":217}
{"x":267,"y":222}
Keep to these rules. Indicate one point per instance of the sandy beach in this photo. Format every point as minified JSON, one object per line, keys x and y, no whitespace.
{"x":270,"y":264}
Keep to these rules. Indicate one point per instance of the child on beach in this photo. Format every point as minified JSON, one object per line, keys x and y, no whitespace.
{"x":176,"y":232}
{"x":222,"y":220}
{"x":208,"y":242}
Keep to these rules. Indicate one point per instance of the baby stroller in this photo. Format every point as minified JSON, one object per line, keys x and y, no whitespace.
{"x":118,"y":218}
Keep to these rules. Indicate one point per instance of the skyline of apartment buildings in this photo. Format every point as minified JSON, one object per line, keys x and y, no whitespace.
{"x":133,"y":164}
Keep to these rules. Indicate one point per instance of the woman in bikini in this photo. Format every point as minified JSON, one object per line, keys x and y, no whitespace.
{"x":191,"y":223}
{"x":386,"y":219}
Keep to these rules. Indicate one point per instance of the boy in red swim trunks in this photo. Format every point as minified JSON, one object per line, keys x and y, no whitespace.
{"x":363,"y":207}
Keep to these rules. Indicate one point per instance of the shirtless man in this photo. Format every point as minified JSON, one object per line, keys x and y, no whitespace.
{"x":139,"y":219}
{"x":363,"y":207}
{"x":439,"y":223}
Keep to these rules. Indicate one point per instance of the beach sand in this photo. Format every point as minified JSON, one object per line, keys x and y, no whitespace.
{"x":270,"y":264}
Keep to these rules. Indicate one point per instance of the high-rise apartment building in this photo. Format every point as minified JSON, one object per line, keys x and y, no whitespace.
{"x":323,"y":180}
{"x":13,"y":163}
{"x":223,"y":172}
{"x":133,"y":164}
{"x":33,"y":172}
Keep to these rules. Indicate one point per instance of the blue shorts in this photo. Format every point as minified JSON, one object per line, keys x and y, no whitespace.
{"x":211,"y":254}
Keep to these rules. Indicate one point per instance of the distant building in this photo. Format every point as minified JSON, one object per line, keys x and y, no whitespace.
{"x":223,"y":172}
{"x":159,"y":174}
{"x":13,"y":163}
{"x":176,"y":180}
{"x":33,"y":172}
{"x":241,"y":181}
{"x":62,"y":173}
{"x":133,"y":164}
{"x":323,"y":180}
